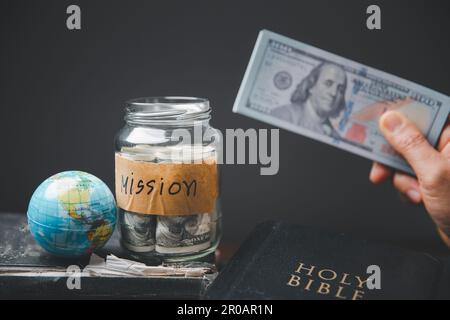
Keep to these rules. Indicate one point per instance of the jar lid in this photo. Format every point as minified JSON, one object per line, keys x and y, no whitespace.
{"x":167,"y":110}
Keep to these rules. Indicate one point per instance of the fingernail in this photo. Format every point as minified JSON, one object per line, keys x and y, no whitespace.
{"x":391,"y":121}
{"x":414,"y":195}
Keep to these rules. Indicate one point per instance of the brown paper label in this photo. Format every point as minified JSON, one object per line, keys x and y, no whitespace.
{"x":166,"y":188}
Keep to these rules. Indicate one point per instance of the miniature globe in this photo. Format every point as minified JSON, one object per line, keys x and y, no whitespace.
{"x":72,"y":213}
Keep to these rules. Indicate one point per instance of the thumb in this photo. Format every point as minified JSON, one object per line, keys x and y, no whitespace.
{"x":407,"y":140}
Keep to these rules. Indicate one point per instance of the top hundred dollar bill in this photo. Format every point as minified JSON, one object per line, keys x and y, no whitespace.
{"x":326,"y":97}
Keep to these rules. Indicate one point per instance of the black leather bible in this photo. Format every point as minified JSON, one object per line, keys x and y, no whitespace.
{"x":280,"y":261}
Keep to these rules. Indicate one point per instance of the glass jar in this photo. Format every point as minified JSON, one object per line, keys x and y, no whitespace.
{"x":167,"y":179}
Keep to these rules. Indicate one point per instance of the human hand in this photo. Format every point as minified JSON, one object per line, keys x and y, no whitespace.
{"x":432,"y":168}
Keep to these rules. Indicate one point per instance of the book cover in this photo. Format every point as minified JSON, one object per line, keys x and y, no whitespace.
{"x":281,"y":261}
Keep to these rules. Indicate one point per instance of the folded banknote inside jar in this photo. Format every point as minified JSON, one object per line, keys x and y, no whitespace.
{"x":164,"y":230}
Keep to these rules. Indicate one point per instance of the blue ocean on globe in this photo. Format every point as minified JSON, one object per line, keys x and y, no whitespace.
{"x":72,"y":213}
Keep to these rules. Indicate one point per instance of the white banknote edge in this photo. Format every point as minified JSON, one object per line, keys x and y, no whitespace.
{"x":250,"y":75}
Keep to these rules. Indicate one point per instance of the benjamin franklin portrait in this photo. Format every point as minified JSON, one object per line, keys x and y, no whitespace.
{"x":319,"y":97}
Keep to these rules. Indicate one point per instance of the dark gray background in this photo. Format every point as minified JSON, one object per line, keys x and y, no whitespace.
{"x":62,"y":96}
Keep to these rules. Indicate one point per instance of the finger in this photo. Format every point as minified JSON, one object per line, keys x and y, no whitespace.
{"x":445,"y":237}
{"x":379,"y":173}
{"x":446,"y":152}
{"x":408,"y":186}
{"x":407,"y":140}
{"x":445,"y":138}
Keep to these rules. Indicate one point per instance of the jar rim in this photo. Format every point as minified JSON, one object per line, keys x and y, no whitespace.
{"x":166,"y":110}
